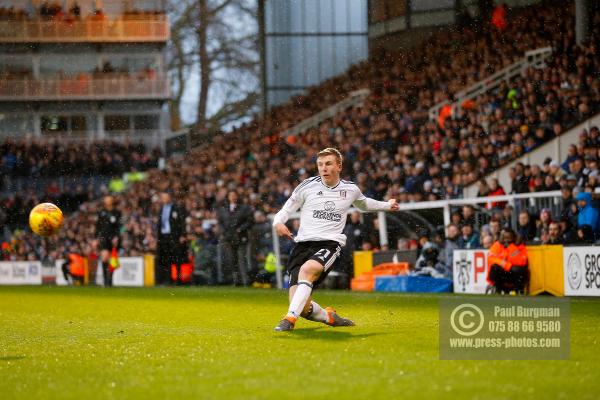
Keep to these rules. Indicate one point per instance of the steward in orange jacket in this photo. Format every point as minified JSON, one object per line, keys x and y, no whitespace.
{"x":74,"y":267}
{"x":507,"y":264}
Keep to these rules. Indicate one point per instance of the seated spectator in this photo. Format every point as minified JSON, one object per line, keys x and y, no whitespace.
{"x":584,"y":235}
{"x":487,"y":241}
{"x":494,"y":228}
{"x":483,"y":189}
{"x":543,"y":222}
{"x":507,"y":216}
{"x":555,"y":235}
{"x":468,"y":213}
{"x":496,"y":190}
{"x":526,"y":227}
{"x":507,"y":264}
{"x":456,"y":218}
{"x":468,"y":238}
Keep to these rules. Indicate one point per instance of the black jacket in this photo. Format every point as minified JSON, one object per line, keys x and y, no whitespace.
{"x":235,"y":225}
{"x":176,"y":221}
{"x":108,"y":224}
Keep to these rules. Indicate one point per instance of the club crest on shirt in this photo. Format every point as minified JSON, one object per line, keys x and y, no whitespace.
{"x":343,"y":194}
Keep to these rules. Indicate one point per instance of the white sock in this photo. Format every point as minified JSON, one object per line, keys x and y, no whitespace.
{"x":317,"y":313}
{"x":298,"y":302}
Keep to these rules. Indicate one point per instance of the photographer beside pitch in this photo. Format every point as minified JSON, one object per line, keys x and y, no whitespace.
{"x":324,"y":202}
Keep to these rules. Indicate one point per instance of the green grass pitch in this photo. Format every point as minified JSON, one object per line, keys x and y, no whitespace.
{"x":94,"y":343}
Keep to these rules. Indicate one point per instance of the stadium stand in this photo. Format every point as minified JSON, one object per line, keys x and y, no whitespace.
{"x":390,"y":146}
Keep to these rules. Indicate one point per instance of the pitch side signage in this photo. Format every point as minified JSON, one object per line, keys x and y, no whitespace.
{"x":582,"y":271}
{"x":470,"y":271}
{"x":20,"y":273}
{"x":130,"y":272}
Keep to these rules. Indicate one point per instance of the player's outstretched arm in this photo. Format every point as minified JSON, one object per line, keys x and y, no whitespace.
{"x":364,"y":203}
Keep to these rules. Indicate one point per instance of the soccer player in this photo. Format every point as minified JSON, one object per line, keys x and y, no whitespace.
{"x":324,"y":202}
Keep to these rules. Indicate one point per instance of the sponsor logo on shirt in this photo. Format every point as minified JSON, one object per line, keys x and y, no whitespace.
{"x":328,"y":214}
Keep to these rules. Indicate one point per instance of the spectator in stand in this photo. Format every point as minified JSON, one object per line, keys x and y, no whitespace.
{"x":543,"y":222}
{"x":507,"y":216}
{"x":587,"y":213}
{"x":450,"y":244}
{"x":526,"y":229}
{"x":483,"y":189}
{"x":487,"y":241}
{"x":571,"y":157}
{"x":496,"y":190}
{"x":495,"y":227}
{"x":584,"y":235}
{"x":555,"y":235}
{"x":469,"y":239}
{"x":468,"y":213}
{"x":569,"y":205}
{"x":550,"y":184}
{"x":568,"y":230}
{"x":456,"y":218}
{"x":519,"y":179}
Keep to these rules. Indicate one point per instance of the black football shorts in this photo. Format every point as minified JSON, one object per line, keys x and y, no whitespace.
{"x":325,"y":252}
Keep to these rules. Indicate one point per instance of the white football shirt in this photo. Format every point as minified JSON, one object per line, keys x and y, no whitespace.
{"x":323,"y":209}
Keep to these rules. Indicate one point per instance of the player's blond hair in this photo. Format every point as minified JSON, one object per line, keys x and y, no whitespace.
{"x":330,"y":151}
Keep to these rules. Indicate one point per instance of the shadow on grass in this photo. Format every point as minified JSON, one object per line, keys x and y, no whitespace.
{"x":325,"y":334}
{"x":12,"y":358}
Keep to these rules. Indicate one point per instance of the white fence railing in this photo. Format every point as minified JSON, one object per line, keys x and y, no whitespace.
{"x":28,"y":31}
{"x":86,"y":87}
{"x":528,"y":201}
{"x":533,"y":58}
{"x":354,"y":98}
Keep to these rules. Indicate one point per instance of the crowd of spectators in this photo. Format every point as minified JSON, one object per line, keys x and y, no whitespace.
{"x":54,"y":11}
{"x":391,"y":149}
{"x":42,"y":158}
